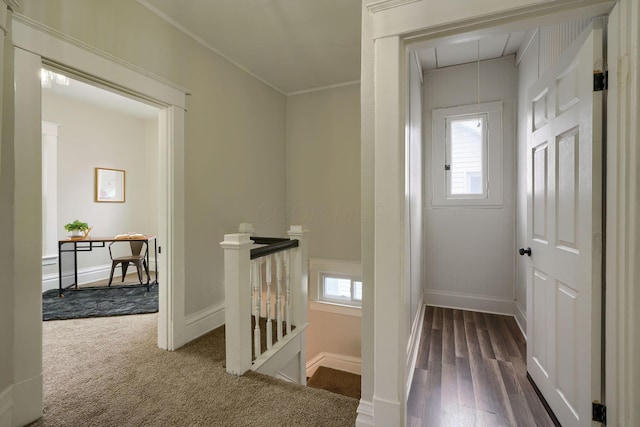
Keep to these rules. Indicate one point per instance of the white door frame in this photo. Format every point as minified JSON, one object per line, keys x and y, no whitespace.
{"x":391,"y":31}
{"x":36,"y":43}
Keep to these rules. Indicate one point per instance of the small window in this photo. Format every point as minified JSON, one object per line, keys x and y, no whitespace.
{"x":341,"y":290}
{"x":466,"y":156}
{"x":466,"y":168}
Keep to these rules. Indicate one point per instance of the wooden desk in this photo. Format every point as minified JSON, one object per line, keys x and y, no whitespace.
{"x":86,"y":244}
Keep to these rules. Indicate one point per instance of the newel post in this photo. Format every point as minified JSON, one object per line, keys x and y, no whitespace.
{"x":300,"y":290}
{"x":237,"y":288}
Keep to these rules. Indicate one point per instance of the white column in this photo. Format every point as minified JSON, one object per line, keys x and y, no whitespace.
{"x":390,"y":334}
{"x":246,"y":228}
{"x":237,"y":287}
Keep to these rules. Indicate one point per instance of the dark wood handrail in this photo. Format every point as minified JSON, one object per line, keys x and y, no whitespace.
{"x":268,"y":240}
{"x":278,"y":246}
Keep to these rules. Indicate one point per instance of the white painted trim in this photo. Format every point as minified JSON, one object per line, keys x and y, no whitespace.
{"x":327,"y":307}
{"x":465,"y":301}
{"x":203,"y":43}
{"x":49,"y":259}
{"x":273,"y":361}
{"x":6,"y":407}
{"x":317,"y":89}
{"x":25,"y":394}
{"x":341,"y":362}
{"x":320,"y":266}
{"x":88,"y":275}
{"x":62,"y":49}
{"x":380,"y":5}
{"x":204,"y":321}
{"x":414,"y":344}
{"x":365,"y":414}
{"x":531,"y":35}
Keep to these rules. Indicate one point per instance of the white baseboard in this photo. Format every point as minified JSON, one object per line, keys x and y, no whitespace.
{"x":27,"y":401}
{"x":472,"y":302}
{"x":414,"y":343}
{"x":336,"y":361}
{"x":521,"y":319}
{"x":204,"y":321}
{"x":365,"y":414}
{"x":6,"y":407}
{"x":88,"y":275}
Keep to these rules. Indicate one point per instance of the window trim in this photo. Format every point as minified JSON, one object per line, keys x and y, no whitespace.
{"x":352,"y":302}
{"x":335,"y":268}
{"x":493,"y":181}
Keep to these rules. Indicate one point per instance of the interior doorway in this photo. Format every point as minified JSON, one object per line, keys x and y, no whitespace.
{"x":446,"y":50}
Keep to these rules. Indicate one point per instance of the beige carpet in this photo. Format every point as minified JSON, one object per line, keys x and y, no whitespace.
{"x":109,"y":372}
{"x":336,"y":381}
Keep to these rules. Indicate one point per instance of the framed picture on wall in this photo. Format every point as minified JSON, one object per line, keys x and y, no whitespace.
{"x":109,"y":185}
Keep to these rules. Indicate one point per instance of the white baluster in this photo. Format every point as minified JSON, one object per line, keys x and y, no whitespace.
{"x":279,"y":262}
{"x":268,"y":261}
{"x":257,"y":294}
{"x":288,"y":290}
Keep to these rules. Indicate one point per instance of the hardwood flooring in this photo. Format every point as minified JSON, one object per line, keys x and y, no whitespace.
{"x":471,"y":371}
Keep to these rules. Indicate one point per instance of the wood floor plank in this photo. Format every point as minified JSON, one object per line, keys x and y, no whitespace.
{"x":448,"y":338}
{"x":449,"y":387}
{"x":437,"y":317}
{"x":433,"y":403}
{"x":471,"y":371}
{"x":498,"y":392}
{"x":417,"y":394}
{"x":435,"y":348}
{"x":466,"y":396}
{"x":460,"y":340}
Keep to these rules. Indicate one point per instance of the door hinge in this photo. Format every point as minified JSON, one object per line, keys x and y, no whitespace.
{"x":599,"y":412}
{"x":600,"y":81}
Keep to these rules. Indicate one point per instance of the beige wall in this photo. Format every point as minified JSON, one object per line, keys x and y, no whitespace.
{"x":89,"y":137}
{"x":333,"y":333}
{"x":234,"y":126}
{"x":323,"y":169}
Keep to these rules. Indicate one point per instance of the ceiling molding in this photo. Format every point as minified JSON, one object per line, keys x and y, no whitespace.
{"x":316,"y":89}
{"x":204,"y":44}
{"x":13,"y":4}
{"x":381,"y":5}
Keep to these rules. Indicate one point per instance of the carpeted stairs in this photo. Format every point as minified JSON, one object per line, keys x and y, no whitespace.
{"x":340,"y":382}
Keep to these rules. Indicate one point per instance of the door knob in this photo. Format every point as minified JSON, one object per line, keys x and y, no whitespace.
{"x":525,"y":251}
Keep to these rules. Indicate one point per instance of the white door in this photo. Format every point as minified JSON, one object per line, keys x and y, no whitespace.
{"x":564,"y":230}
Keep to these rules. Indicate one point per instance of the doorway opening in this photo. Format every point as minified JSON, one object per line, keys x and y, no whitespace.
{"x":484,"y":227}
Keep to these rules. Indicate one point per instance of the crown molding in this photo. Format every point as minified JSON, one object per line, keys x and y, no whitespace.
{"x":381,"y":5}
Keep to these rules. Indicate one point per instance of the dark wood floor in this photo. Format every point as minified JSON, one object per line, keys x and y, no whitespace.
{"x":471,"y":371}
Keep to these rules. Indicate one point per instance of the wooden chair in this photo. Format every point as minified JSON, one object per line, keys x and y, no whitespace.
{"x":138,"y":258}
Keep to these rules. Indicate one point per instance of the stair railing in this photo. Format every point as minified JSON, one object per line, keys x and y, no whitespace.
{"x":265,"y":284}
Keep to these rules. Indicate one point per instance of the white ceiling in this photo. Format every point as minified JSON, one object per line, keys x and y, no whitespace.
{"x":292,"y":45}
{"x":482,"y":48}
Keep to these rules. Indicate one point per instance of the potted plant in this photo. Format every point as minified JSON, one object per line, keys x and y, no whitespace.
{"x":78,"y":228}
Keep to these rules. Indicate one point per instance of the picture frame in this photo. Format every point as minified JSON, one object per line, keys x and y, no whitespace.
{"x":109,"y":185}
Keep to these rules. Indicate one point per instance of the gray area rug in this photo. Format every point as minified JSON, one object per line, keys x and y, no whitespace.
{"x":99,"y":302}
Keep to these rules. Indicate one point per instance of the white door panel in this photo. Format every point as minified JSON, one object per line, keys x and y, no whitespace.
{"x":564,"y":210}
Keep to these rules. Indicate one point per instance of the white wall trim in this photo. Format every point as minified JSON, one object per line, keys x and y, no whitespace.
{"x":317,"y":89}
{"x":6,"y":407}
{"x":89,"y":275}
{"x":378,"y":6}
{"x":204,"y":321}
{"x":25,"y":394}
{"x":335,"y":361}
{"x":365,"y":414}
{"x":414,"y":343}
{"x":36,"y":37}
{"x":465,"y":301}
